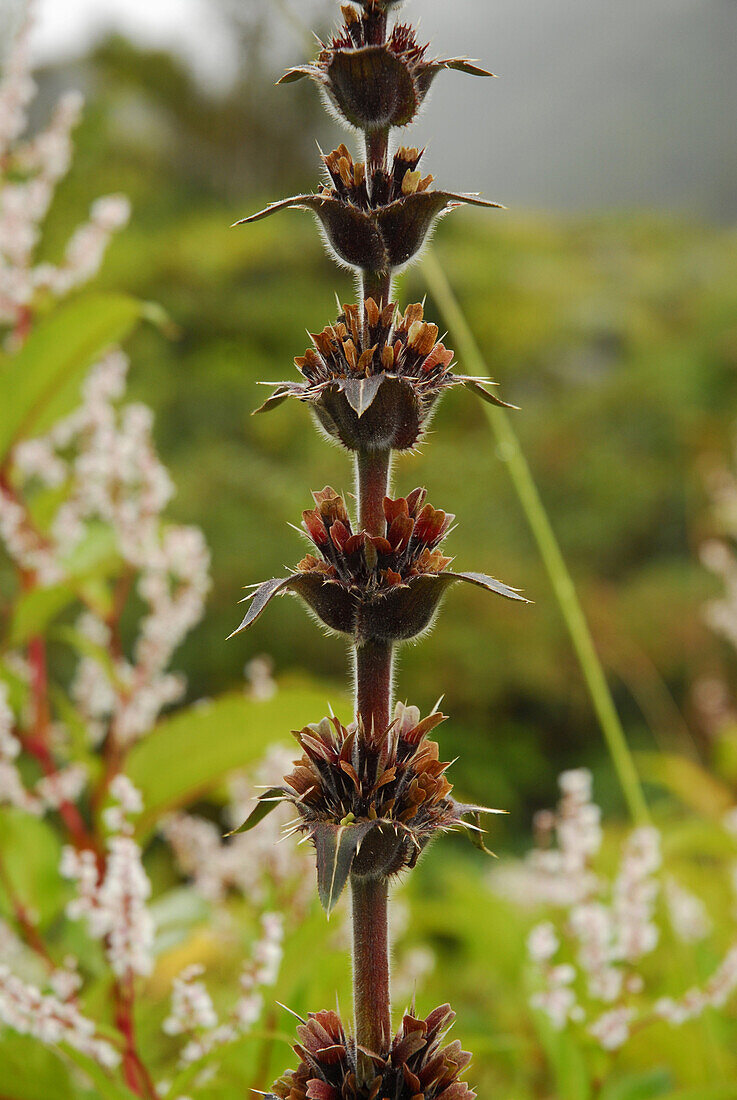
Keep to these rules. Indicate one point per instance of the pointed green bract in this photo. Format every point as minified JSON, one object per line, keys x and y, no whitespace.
{"x":265,"y":803}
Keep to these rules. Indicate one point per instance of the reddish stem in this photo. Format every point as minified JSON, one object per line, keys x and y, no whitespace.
{"x":372,"y":481}
{"x":136,"y":1076}
{"x":68,"y":812}
{"x":371,"y":981}
{"x":28,"y":929}
{"x":374,"y":683}
{"x":371,"y":998}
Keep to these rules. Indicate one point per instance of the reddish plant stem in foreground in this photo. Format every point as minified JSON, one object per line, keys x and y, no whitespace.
{"x":26,"y":926}
{"x":372,"y":481}
{"x":371,"y":997}
{"x":374,"y":683}
{"x":136,"y":1076}
{"x":37,"y":743}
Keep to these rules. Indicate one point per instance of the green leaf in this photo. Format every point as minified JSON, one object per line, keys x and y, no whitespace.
{"x":87,"y":648}
{"x":41,"y":382}
{"x":36,"y":1072}
{"x":336,"y":847}
{"x":266,"y":802}
{"x":722,"y":1091}
{"x":187,"y":754}
{"x":639,"y":1086}
{"x":35,"y":609}
{"x":566,"y":1060}
{"x":30,"y":852}
{"x":105,"y":1087}
{"x":95,"y":555}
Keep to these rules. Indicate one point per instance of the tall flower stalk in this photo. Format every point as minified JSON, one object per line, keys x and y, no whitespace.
{"x":372,"y":795}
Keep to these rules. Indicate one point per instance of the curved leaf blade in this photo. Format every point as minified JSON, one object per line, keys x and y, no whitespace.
{"x":259,"y":598}
{"x":40,"y":384}
{"x":491,"y":584}
{"x":265,"y":803}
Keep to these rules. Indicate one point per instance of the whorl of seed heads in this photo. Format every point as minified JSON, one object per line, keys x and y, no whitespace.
{"x":374,"y":84}
{"x":375,"y":221}
{"x":370,"y":800}
{"x":374,"y":377}
{"x":373,"y":587}
{"x":417,"y":1067}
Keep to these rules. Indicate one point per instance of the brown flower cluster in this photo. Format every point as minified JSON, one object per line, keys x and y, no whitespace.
{"x":349,"y":182}
{"x":394,"y":776}
{"x":376,"y":562}
{"x":374,"y":220}
{"x":373,"y":587}
{"x":373,"y":83}
{"x":374,"y":377}
{"x":417,"y":1067}
{"x":370,"y":800}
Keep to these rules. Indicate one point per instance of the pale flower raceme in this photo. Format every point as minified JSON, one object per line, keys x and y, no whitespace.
{"x":51,"y":1020}
{"x":114,"y":899}
{"x":30,"y":171}
{"x":193,"y":1014}
{"x":587,"y":955}
{"x":254,"y":866}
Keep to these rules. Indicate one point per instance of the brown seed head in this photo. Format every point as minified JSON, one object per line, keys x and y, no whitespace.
{"x":374,"y":377}
{"x":371,"y":80}
{"x":417,"y":1066}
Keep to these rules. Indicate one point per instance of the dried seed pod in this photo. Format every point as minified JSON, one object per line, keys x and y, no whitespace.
{"x":370,"y":800}
{"x":374,"y":378}
{"x":416,"y":1067}
{"x":374,"y":84}
{"x":373,"y":588}
{"x":375,"y":221}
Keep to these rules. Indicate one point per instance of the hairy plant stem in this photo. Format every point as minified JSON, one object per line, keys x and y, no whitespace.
{"x":372,"y":485}
{"x":374,"y":683}
{"x":371,"y":996}
{"x":377,"y":151}
{"x":370,"y":896}
{"x":560,"y":578}
{"x":377,"y":285}
{"x":371,"y":999}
